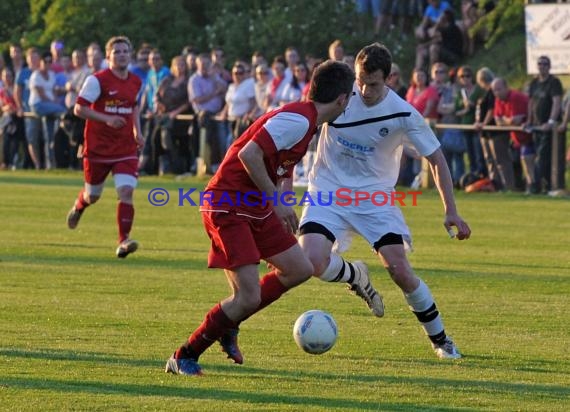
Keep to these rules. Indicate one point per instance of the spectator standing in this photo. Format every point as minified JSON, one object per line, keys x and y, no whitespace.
{"x":218,"y":57}
{"x":172,"y":100}
{"x":294,"y":89}
{"x":545,"y":98}
{"x":141,"y":65}
{"x":511,"y":109}
{"x":495,"y":145}
{"x":206,"y":91}
{"x":262,"y":82}
{"x":17,"y":61}
{"x":465,"y":105}
{"x":12,"y":125}
{"x":240,"y":101}
{"x":422,"y":95}
{"x":157,"y":72}
{"x":278,"y":83}
{"x":336,"y":50}
{"x":395,"y":81}
{"x":32,"y":124}
{"x":57,"y":51}
{"x":291,"y":60}
{"x":45,"y":105}
{"x":452,"y":140}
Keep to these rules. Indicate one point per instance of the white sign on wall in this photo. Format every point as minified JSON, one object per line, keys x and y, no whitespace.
{"x":548,"y":34}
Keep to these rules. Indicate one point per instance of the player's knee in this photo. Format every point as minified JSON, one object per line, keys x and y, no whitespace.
{"x":397,"y":271}
{"x":249,"y":302}
{"x":320,"y":264}
{"x":93,"y":198}
{"x":125,"y":193}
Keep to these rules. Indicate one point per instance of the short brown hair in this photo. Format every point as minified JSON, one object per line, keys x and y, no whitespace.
{"x":114,"y":40}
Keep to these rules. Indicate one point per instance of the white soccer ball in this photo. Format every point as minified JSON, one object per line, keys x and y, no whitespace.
{"x":315,"y":332}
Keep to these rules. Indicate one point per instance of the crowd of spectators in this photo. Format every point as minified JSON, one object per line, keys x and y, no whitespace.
{"x":193,"y":108}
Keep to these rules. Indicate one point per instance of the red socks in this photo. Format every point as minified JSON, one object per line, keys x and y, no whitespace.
{"x":125,"y":215}
{"x":212,"y":328}
{"x":80,"y":203}
{"x":217,"y":323}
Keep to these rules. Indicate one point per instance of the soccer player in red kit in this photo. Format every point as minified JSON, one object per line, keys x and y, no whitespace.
{"x":244,"y":228}
{"x":108,"y":102}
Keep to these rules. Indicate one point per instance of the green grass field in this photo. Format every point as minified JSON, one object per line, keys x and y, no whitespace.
{"x":82,"y":330}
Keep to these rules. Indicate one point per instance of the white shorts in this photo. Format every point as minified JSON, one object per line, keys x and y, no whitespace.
{"x":344,"y":222}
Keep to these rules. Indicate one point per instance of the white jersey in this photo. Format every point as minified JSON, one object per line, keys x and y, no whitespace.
{"x":362,"y":148}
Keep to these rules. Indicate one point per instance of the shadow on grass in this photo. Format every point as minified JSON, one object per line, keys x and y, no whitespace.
{"x":77,"y":259}
{"x":47,"y":179}
{"x":468,"y":386}
{"x":215,"y":393}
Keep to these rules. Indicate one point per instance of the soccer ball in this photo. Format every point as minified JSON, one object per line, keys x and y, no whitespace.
{"x":315,"y":332}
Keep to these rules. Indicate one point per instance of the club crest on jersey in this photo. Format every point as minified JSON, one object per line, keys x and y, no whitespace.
{"x":383,"y":132}
{"x":281,"y":171}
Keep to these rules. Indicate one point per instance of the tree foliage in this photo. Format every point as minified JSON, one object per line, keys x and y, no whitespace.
{"x":506,"y":17}
{"x":238,"y":26}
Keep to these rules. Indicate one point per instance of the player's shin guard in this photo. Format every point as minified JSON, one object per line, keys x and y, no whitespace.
{"x":423,"y":306}
{"x":338,"y":270}
{"x":214,"y":325}
{"x":125,"y":216}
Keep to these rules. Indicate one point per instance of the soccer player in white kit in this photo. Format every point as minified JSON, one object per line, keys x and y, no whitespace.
{"x":361,"y":151}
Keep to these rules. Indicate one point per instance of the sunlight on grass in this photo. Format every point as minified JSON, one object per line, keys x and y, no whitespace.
{"x":82,"y":330}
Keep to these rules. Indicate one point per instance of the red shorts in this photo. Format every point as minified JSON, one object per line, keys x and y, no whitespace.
{"x":239,"y":240}
{"x":96,"y":172}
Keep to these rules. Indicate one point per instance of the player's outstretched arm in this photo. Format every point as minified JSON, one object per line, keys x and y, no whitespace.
{"x":444,"y":184}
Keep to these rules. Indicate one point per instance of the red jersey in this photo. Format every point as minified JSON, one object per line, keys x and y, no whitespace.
{"x":106,"y":93}
{"x":283,"y":135}
{"x":515,"y":104}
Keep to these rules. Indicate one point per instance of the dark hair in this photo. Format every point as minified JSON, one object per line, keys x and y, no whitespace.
{"x":375,"y":57}
{"x":544,"y":58}
{"x":46,"y":55}
{"x":279,"y":59}
{"x":331,"y":79}
{"x":294,"y":80}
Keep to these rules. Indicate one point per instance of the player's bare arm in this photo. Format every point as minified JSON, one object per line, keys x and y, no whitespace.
{"x":116,"y":122}
{"x":443,"y":182}
{"x":251,"y":156}
{"x":137,"y":130}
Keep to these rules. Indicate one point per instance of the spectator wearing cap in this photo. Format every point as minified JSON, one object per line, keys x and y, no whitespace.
{"x":545,"y":96}
{"x":56,"y":49}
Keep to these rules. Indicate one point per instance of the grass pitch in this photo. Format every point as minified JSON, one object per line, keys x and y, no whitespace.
{"x":83,"y":330}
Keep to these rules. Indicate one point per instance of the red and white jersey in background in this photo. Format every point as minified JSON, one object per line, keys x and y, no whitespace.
{"x":106,"y":93}
{"x":283,"y":135}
